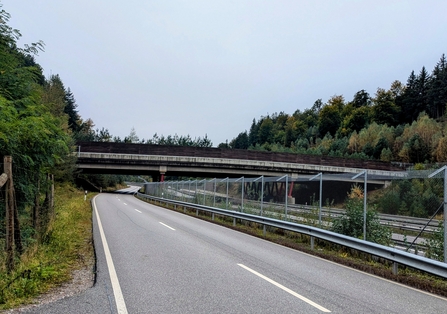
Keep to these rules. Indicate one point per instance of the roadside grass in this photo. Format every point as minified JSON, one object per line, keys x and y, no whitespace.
{"x":328,"y":251}
{"x":67,"y":246}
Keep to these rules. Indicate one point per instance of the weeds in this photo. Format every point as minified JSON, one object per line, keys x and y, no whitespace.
{"x":66,"y":246}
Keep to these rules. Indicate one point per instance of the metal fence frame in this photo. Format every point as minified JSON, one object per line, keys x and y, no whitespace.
{"x":394,"y":255}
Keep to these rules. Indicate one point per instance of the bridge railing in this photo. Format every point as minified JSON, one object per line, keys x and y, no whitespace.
{"x":394,"y":255}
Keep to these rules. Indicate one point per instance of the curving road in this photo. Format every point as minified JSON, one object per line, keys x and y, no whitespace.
{"x":166,"y":262}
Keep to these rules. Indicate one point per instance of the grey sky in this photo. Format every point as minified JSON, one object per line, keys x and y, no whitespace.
{"x":210,"y":67}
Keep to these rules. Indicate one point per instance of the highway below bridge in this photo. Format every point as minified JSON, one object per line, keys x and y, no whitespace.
{"x":160,"y":161}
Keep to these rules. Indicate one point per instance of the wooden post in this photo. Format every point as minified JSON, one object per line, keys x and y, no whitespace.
{"x":36,"y":211}
{"x":51,"y":200}
{"x":17,"y":233}
{"x":9,"y":215}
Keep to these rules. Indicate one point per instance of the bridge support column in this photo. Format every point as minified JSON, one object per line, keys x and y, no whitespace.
{"x":163,"y":170}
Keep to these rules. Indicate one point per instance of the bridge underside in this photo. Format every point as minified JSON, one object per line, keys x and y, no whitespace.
{"x":158,"y":170}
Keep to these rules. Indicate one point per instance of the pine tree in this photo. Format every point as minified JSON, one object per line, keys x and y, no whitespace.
{"x":437,"y":90}
{"x":70,"y":110}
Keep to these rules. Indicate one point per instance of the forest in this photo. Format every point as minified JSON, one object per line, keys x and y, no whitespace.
{"x":405,"y":123}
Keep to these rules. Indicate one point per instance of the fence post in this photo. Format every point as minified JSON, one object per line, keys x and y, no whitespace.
{"x":214,"y":198}
{"x":365,"y":181}
{"x":320,"y":196}
{"x":226,"y":204}
{"x":445,"y":214}
{"x":242,"y":193}
{"x":445,"y":207}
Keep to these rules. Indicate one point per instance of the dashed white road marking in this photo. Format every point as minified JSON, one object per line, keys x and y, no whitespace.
{"x":138,"y":210}
{"x":167,"y":226}
{"x":286,"y":289}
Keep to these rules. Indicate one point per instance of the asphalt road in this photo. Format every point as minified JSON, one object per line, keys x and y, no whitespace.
{"x":167,"y":262}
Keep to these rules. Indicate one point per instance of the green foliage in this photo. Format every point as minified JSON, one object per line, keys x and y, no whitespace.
{"x":241,"y":141}
{"x":403,"y":123}
{"x":385,"y":110}
{"x":49,"y":264}
{"x":435,"y":244}
{"x":351,"y":223}
{"x":180,"y":141}
{"x":415,"y":197}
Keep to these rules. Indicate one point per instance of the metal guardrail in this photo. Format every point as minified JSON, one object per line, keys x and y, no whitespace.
{"x":396,"y":256}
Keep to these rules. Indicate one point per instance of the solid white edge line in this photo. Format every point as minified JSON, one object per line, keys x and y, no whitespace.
{"x":286,"y":289}
{"x":166,"y":226}
{"x":138,"y":210}
{"x":119,"y":299}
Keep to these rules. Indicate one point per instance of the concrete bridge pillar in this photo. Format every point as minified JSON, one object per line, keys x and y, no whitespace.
{"x":163,"y":170}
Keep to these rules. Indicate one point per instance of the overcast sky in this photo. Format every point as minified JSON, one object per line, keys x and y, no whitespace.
{"x":210,"y":67}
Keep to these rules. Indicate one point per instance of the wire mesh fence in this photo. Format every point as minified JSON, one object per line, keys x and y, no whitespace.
{"x":408,"y":208}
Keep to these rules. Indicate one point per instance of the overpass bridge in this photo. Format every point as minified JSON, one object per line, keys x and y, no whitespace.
{"x":158,"y":161}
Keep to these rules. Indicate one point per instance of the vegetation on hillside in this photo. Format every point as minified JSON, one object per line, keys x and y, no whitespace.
{"x":404,"y":123}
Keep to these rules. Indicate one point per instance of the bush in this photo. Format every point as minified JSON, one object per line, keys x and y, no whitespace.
{"x":435,"y":244}
{"x":351,"y":223}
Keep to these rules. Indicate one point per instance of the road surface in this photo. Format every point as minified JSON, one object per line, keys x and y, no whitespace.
{"x":160,"y":261}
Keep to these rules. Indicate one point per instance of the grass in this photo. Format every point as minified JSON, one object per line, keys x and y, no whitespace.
{"x":67,"y":246}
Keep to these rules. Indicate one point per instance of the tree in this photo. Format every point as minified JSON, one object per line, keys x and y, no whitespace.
{"x":380,"y":146}
{"x":265,"y":131}
{"x":358,"y":119}
{"x":103,"y":135}
{"x":385,"y":110}
{"x":318,"y":104}
{"x":253,"y":137}
{"x":71,"y":111}
{"x":361,"y":99}
{"x":54,"y":98}
{"x":329,"y":119}
{"x":409,"y":99}
{"x":240,"y":142}
{"x":437,"y":90}
{"x":132,"y":137}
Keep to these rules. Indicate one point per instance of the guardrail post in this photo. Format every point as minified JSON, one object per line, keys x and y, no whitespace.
{"x":312,"y":242}
{"x":395,"y":268}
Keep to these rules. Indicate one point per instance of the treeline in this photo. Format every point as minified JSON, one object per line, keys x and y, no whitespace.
{"x":34,"y":127}
{"x":406,"y":123}
{"x":39,"y":126}
{"x":104,"y":135}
